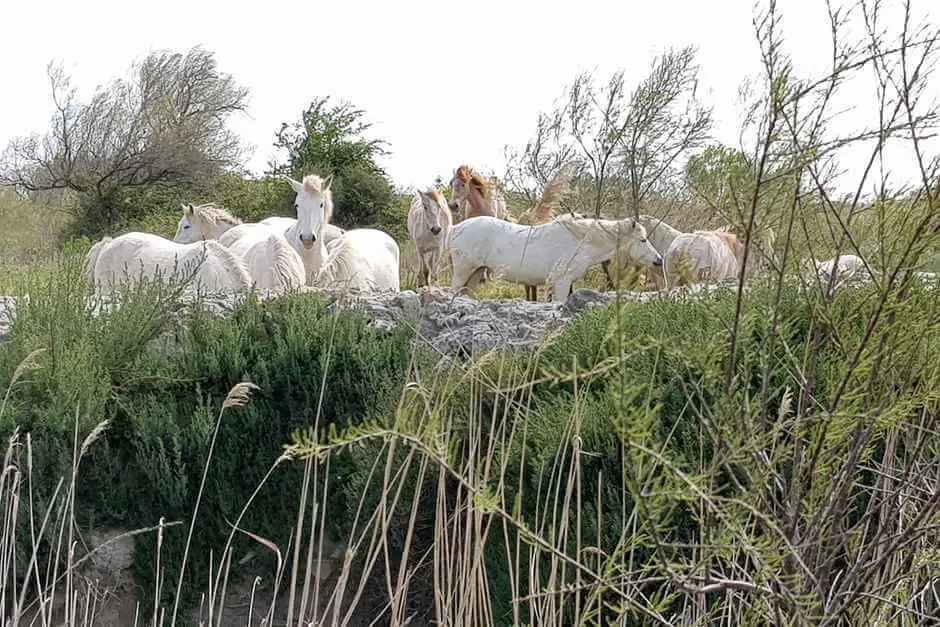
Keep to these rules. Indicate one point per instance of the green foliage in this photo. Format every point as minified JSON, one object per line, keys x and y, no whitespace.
{"x":330,"y":140}
{"x":159,"y":373}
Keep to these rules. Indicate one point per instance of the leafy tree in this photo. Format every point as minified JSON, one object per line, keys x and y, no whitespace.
{"x":331,"y":139}
{"x":166,"y":125}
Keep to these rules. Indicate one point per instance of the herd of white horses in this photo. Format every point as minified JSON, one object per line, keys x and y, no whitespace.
{"x":218,"y":252}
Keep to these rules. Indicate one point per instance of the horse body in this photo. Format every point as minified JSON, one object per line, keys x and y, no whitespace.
{"x":713,"y":256}
{"x":556,"y":253}
{"x":136,"y":256}
{"x":429,"y":221}
{"x":271,"y":261}
{"x":846,"y":268}
{"x":364,"y":260}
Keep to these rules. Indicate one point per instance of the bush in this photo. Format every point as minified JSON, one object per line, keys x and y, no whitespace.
{"x":159,"y":374}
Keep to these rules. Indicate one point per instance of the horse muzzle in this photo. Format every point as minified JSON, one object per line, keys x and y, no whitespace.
{"x":435,"y":230}
{"x":308,"y":242}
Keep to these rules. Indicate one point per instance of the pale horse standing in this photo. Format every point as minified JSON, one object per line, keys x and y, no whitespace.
{"x":133,"y":257}
{"x":429,"y":221}
{"x":361,"y":259}
{"x":473,"y":196}
{"x":272,"y":262}
{"x":556,"y":253}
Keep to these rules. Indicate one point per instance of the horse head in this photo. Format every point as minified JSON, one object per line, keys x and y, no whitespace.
{"x":314,"y":203}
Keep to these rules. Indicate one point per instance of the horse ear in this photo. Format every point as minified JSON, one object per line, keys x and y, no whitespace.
{"x":188,"y":209}
{"x":327,"y":182}
{"x":296,"y":185}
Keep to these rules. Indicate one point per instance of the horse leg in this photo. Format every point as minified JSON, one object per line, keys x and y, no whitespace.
{"x":476,"y":278}
{"x":531,"y":293}
{"x":422,"y":269}
{"x":561,"y":290}
{"x":431,"y":263}
{"x":610,"y":279}
{"x":466,"y":278}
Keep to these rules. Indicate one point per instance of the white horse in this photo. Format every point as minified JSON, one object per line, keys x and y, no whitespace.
{"x":364,"y":259}
{"x":429,"y":220}
{"x":703,"y":256}
{"x":846,"y":268}
{"x":271,"y":261}
{"x":556,"y":253}
{"x":207,"y":221}
{"x":135,"y":256}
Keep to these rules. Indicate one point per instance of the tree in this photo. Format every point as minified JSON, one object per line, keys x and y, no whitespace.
{"x":623,"y":146}
{"x":332,"y":140}
{"x":166,"y":124}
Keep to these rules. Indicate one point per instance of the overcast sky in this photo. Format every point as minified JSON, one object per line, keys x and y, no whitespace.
{"x":444,"y":82}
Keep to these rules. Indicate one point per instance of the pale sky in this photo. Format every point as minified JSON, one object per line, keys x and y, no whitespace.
{"x":444,"y":82}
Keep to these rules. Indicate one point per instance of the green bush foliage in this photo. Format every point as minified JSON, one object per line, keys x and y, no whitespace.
{"x":160,"y":374}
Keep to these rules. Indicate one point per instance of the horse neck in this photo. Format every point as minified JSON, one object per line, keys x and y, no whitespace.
{"x":659,"y":233}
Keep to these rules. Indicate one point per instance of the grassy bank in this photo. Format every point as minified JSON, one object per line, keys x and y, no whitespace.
{"x":629,"y":468}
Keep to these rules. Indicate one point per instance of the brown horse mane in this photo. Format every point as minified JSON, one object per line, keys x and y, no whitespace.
{"x":469,"y":176}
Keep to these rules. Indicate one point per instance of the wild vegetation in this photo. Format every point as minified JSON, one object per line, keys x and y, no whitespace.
{"x":765,"y":455}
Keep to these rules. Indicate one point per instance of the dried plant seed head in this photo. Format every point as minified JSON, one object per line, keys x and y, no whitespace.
{"x":238,"y":395}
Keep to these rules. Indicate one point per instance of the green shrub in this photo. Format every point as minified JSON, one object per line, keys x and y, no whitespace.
{"x":160,"y":374}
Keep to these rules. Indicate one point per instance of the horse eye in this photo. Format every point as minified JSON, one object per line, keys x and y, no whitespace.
{"x":321,"y":204}
{"x":185,"y":226}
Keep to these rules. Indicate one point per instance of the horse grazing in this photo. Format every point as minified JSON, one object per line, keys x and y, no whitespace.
{"x":429,"y":221}
{"x":135,"y":256}
{"x":271,"y":261}
{"x":846,"y":268}
{"x":556,"y":253}
{"x":544,"y":211}
{"x":200,"y":222}
{"x":703,"y":256}
{"x":364,"y":259}
{"x":472,"y":195}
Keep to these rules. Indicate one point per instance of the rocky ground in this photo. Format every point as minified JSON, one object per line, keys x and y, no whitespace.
{"x":451,"y":324}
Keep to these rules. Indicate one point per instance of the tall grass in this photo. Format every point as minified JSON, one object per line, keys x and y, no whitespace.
{"x":760,"y":456}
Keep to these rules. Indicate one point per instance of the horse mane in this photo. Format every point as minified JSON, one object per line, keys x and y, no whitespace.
{"x":336,"y":262}
{"x":232,"y":261}
{"x":282,"y":257}
{"x":212,"y":213}
{"x":315,"y":184}
{"x":471,"y":177}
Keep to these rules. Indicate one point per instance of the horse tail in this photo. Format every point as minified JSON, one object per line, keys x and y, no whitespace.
{"x":91,"y":258}
{"x":551,"y":197}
